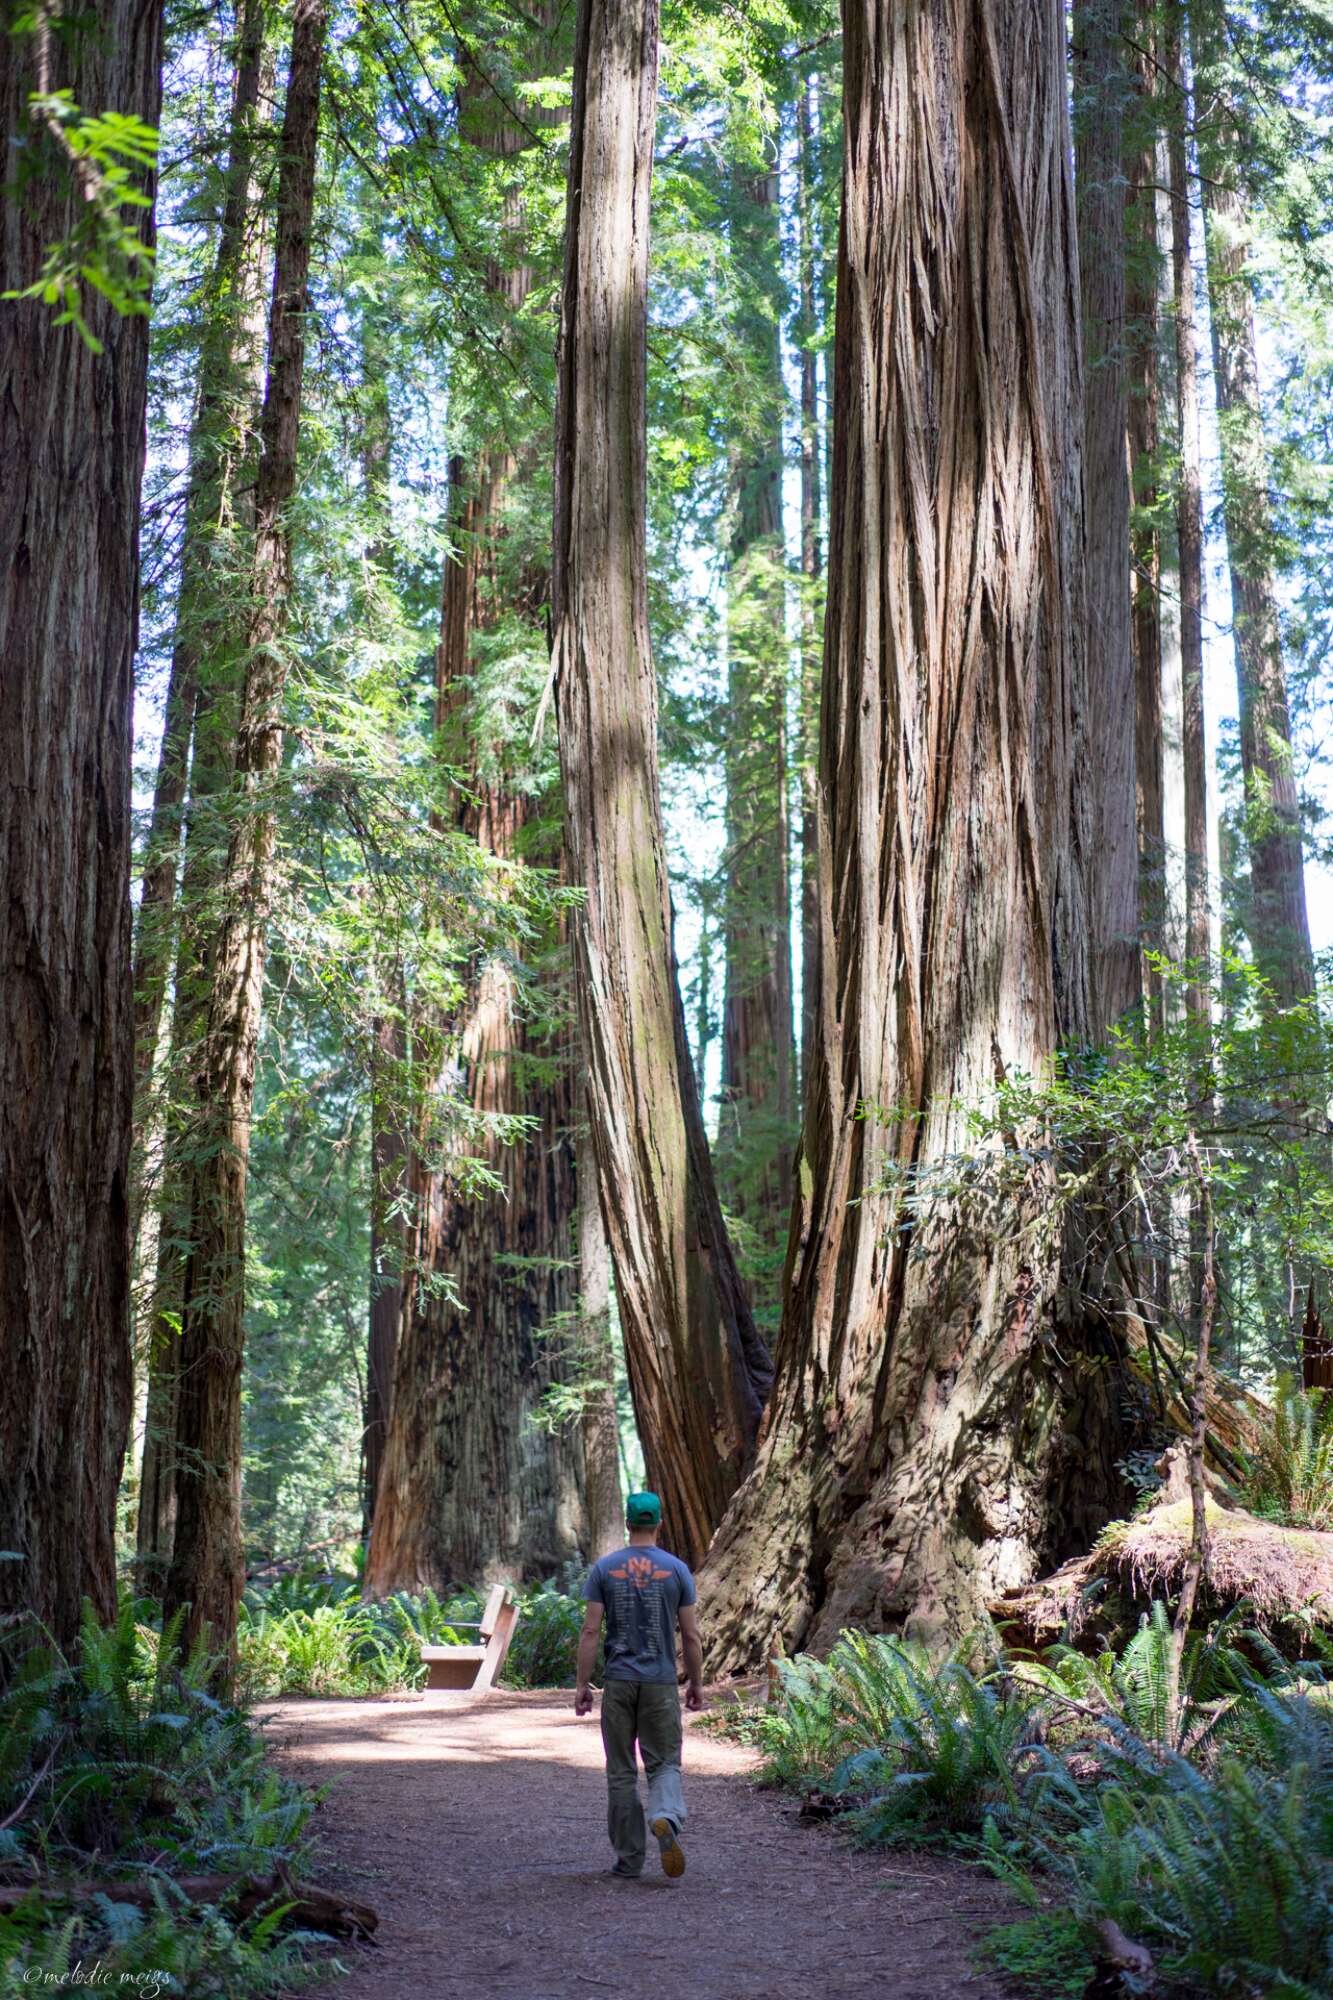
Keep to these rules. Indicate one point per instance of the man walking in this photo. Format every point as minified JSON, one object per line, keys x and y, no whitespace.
{"x":643,"y":1593}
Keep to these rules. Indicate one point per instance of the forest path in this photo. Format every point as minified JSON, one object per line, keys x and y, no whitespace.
{"x":478,"y":1833}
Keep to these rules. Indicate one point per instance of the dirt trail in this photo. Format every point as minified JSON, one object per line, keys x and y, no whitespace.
{"x":478,"y":1832}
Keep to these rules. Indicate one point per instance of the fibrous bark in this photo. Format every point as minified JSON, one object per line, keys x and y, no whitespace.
{"x":756,"y":1131}
{"x":71,"y":465}
{"x":206,"y":1570}
{"x":923,"y":1441}
{"x":220,"y":441}
{"x":811,"y":570}
{"x":470,"y":1490}
{"x":1189,"y":531}
{"x":472,"y":1487}
{"x":698,"y":1370}
{"x":1102,"y":87}
{"x":601,"y":1442}
{"x":198,"y":747}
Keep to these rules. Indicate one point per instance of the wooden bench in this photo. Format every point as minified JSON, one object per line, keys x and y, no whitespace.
{"x":474,"y":1668}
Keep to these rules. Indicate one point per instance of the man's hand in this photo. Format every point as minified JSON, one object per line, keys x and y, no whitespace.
{"x":694,"y":1657}
{"x":592,"y":1626}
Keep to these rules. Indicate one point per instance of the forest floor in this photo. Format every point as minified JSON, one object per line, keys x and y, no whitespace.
{"x":477,"y":1831}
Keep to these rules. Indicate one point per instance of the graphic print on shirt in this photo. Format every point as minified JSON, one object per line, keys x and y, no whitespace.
{"x":641,"y":1571}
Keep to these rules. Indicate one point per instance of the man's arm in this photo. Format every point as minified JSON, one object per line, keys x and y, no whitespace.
{"x":588,"y":1637}
{"x":694,"y":1656}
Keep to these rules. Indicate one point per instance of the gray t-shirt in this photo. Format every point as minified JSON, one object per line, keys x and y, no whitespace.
{"x":642,"y":1590}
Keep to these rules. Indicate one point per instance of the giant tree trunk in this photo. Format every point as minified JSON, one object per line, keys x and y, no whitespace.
{"x":756,"y":1130}
{"x":71,"y":463}
{"x":206,"y":1571}
{"x":698,"y":1369}
{"x":472,"y":1488}
{"x":601,"y":1442}
{"x":197,"y":751}
{"x":1278,"y":922}
{"x":1102,"y":85}
{"x":925,"y":1441}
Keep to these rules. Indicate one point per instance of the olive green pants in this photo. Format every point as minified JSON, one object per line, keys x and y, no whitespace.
{"x":649,"y":1713}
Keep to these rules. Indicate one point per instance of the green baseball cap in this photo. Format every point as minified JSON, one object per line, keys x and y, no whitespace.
{"x":643,"y":1510}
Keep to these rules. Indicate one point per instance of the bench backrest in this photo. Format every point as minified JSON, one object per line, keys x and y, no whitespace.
{"x":499,"y":1598}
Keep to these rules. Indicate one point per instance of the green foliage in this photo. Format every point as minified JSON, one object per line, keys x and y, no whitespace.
{"x":1218,"y":1856}
{"x":916,"y":1753}
{"x":316,"y":1637}
{"x":122,"y":1763}
{"x":1289,"y":1476}
{"x":107,"y":159}
{"x":1046,"y":1956}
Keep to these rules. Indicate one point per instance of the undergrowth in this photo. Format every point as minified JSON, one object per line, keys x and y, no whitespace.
{"x":121,"y":1767}
{"x":1204,"y":1834}
{"x":313,"y":1635}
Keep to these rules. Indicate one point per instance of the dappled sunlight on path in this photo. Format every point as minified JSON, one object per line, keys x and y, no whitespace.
{"x":476,"y":1827}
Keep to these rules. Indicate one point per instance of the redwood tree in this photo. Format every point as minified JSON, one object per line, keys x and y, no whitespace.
{"x":206,"y":1573}
{"x":71,"y":464}
{"x":924,"y":1420}
{"x":1278,"y":921}
{"x":756,"y":1127}
{"x":1102,"y":86}
{"x":194,"y":767}
{"x":470,"y":1486}
{"x":698,"y":1369}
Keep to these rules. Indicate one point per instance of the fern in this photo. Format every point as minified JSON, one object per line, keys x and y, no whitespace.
{"x":1290,"y":1473}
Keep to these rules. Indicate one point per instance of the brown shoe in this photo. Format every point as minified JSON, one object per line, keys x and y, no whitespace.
{"x":673,"y":1854}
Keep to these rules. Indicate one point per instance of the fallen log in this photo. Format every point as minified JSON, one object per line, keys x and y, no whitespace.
{"x":1279,"y":1573}
{"x":308,"y":1906}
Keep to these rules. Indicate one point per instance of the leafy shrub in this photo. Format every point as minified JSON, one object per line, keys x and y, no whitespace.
{"x":319,"y":1639}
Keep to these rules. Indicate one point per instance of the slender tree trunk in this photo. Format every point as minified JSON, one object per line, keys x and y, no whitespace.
{"x":388,"y":1054}
{"x":811,"y":570}
{"x":201,"y":730}
{"x":1189,"y":529}
{"x":923,"y":1445}
{"x":388,"y":1154}
{"x":472,"y":1487}
{"x":1279,"y":925}
{"x":1143,"y":406}
{"x":756,"y":1134}
{"x":219,"y":444}
{"x":206,"y":1571}
{"x":601,"y":1426}
{"x":698,"y":1369}
{"x":1102,"y":86}
{"x":71,"y":465}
